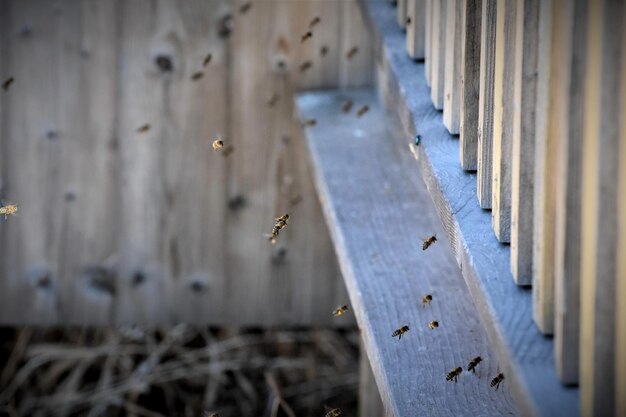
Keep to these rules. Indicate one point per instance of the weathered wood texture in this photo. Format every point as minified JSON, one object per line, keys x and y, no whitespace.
{"x":620,"y":314}
{"x":523,"y":147}
{"x":485,"y":101}
{"x":452,"y":70}
{"x":438,"y":52}
{"x":549,"y":99}
{"x":415,"y":29}
{"x":568,"y":191}
{"x":503,"y":116}
{"x":377,"y":215}
{"x":116,"y":226}
{"x":370,"y":403}
{"x":600,"y":223}
{"x":525,"y":356}
{"x":470,"y":83}
{"x":428,"y":39}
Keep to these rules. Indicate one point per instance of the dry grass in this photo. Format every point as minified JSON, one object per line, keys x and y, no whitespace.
{"x":180,"y":371}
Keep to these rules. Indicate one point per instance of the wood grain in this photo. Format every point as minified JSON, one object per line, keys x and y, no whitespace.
{"x":452,"y":76}
{"x":470,"y":83}
{"x":485,"y":102}
{"x":523,"y":147}
{"x":416,"y":30}
{"x":377,"y":216}
{"x":370,"y":404}
{"x":438,"y":53}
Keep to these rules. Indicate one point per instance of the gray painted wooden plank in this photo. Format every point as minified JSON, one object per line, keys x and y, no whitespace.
{"x":377,"y":213}
{"x":568,"y":193}
{"x":470,"y":83}
{"x":428,"y":13}
{"x":599,"y":254}
{"x":620,"y":368}
{"x":370,"y":404}
{"x":523,"y":148}
{"x":485,"y":101}
{"x":452,"y":76}
{"x":415,"y":28}
{"x":438,"y":52}
{"x":526,"y":357}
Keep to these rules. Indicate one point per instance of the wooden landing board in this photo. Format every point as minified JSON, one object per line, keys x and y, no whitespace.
{"x":377,"y":211}
{"x":506,"y":310}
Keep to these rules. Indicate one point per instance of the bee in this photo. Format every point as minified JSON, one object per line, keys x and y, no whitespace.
{"x":429,"y":241}
{"x":323,"y":50}
{"x":217,"y":144}
{"x":281,"y":222}
{"x":305,"y":66}
{"x":352,"y":52}
{"x":245,"y":7}
{"x":497,"y":380}
{"x":362,"y":110}
{"x":314,"y":22}
{"x":273,"y":100}
{"x":473,"y":363}
{"x":306,"y":36}
{"x":426,"y":299}
{"x":143,"y":129}
{"x":197,"y":75}
{"x":340,"y":311}
{"x":335,"y":412}
{"x":433,"y":325}
{"x":7,"y":83}
{"x":346,"y":106}
{"x":207,"y":60}
{"x":309,"y":123}
{"x":8,"y":210}
{"x":454,"y":374}
{"x":402,"y":330}
{"x":228,"y":150}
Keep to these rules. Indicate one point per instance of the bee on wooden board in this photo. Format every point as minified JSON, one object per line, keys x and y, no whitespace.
{"x":197,"y":75}
{"x":352,"y":52}
{"x":335,"y":412}
{"x":340,"y":311}
{"x":309,"y":123}
{"x":245,"y":7}
{"x":473,"y":363}
{"x":497,"y":380}
{"x":143,"y":128}
{"x":207,"y":60}
{"x":426,"y":299}
{"x":8,"y":210}
{"x":429,"y":241}
{"x":273,"y":100}
{"x":402,"y":330}
{"x":454,"y":374}
{"x":280,"y":224}
{"x":306,"y":36}
{"x":314,"y":22}
{"x":346,"y":106}
{"x":362,"y":110}
{"x":7,"y":83}
{"x":218,"y":143}
{"x":433,"y":325}
{"x":305,"y":66}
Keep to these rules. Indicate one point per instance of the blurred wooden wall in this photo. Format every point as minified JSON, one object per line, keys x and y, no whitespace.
{"x":120,"y":227}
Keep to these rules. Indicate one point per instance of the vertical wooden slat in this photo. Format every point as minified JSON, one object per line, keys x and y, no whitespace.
{"x":523,"y":148}
{"x":470,"y":82}
{"x":438,"y":53}
{"x":370,"y":403}
{"x":428,"y":19}
{"x":573,"y":16}
{"x":485,"y":101}
{"x":599,"y":254}
{"x":415,"y":28}
{"x":401,"y":13}
{"x":452,"y":77}
{"x":503,"y":115}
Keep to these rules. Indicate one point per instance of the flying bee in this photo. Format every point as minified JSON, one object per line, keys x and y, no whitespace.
{"x":7,"y":83}
{"x":426,"y":299}
{"x":362,"y":110}
{"x":306,"y":36}
{"x":340,"y":311}
{"x":197,"y":75}
{"x":497,"y":380}
{"x":433,"y":325}
{"x":314,"y":22}
{"x":207,"y":60}
{"x":402,"y":330}
{"x":323,"y":50}
{"x":8,"y":210}
{"x":305,"y":66}
{"x":346,"y":106}
{"x":454,"y":374}
{"x":335,"y":412}
{"x":217,"y":144}
{"x":473,"y":363}
{"x":309,"y":123}
{"x":245,"y":7}
{"x":273,"y":100}
{"x":281,"y":222}
{"x":352,"y":52}
{"x":429,"y":241}
{"x":143,"y":129}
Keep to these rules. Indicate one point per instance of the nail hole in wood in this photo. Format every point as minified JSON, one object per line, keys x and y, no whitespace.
{"x":164,"y":63}
{"x":138,"y":278}
{"x":101,"y":279}
{"x":237,"y":202}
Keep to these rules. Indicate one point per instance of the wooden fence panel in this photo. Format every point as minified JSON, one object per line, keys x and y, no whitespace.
{"x":452,"y":76}
{"x":620,"y":313}
{"x":428,"y":16}
{"x":416,"y":30}
{"x":438,"y":53}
